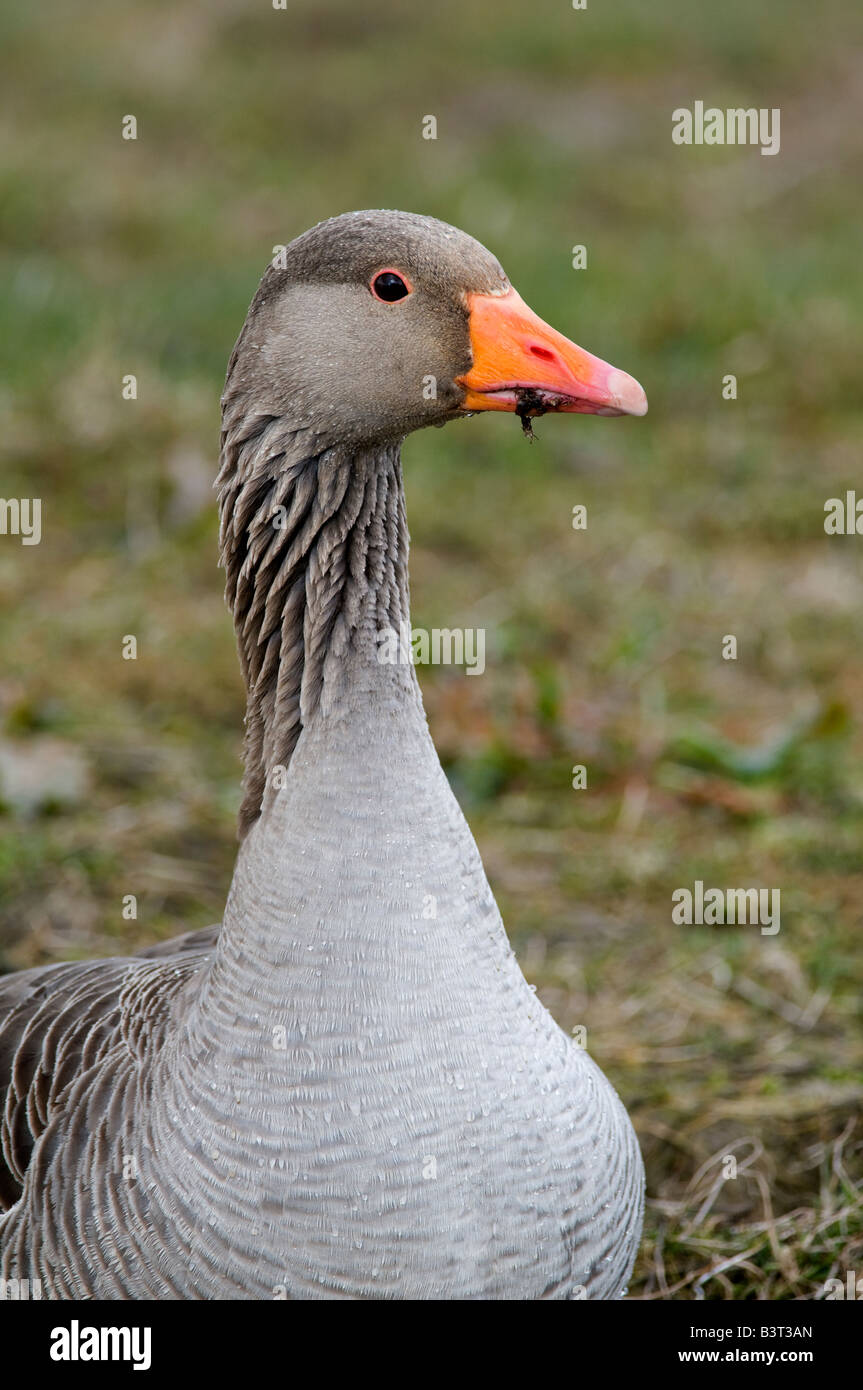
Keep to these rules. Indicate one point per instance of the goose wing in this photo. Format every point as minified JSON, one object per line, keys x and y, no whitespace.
{"x":55,"y":1022}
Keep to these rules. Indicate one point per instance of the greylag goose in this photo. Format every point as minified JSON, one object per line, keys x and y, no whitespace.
{"x":342,"y":1091}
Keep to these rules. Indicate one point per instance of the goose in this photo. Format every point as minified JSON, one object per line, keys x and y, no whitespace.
{"x":347,"y":1089}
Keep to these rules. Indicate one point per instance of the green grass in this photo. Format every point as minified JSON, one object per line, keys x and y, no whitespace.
{"x":706,"y":518}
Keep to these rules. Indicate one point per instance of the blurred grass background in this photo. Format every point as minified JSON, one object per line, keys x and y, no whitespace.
{"x":706,"y":518}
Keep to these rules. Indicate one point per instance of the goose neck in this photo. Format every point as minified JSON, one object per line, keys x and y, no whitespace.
{"x":314,"y":545}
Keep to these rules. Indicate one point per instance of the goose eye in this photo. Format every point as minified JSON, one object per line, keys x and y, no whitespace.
{"x":389,"y":286}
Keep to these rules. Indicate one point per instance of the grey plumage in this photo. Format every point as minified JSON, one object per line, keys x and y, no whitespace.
{"x":349,"y":1089}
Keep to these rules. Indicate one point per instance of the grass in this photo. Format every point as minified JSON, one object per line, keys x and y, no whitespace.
{"x":705,"y":519}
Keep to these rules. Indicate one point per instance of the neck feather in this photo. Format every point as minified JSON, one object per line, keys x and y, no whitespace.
{"x":314,"y":545}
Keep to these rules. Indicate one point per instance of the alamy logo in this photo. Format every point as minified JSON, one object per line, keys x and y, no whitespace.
{"x":718,"y":907}
{"x":21,"y":516}
{"x":77,"y":1343}
{"x":18,"y":1290}
{"x":844,"y":515}
{"x":835,"y":1290}
{"x":735,"y":126}
{"x":441,"y":646}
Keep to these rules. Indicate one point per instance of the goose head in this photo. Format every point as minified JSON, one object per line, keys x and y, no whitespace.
{"x":375,"y":324}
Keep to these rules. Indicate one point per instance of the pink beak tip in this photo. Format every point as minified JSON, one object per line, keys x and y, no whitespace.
{"x":626,"y":393}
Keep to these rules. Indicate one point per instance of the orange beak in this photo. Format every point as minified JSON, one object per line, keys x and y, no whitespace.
{"x":521,"y":363}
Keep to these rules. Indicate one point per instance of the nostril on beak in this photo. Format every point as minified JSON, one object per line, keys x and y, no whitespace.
{"x":545,"y":353}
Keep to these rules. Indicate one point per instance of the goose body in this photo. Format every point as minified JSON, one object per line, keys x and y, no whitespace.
{"x":349,"y":1090}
